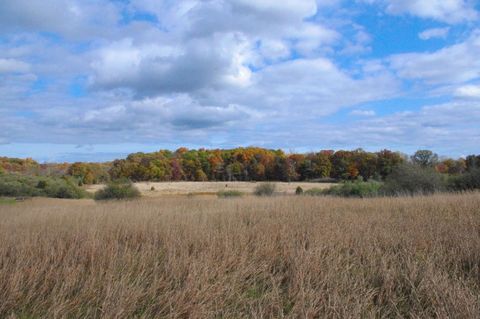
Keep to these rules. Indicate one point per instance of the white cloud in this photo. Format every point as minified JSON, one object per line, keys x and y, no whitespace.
{"x":468,"y":91}
{"x":176,"y":117}
{"x":71,"y":18}
{"x":296,"y":88}
{"x":363,"y":113}
{"x":450,"y":11}
{"x":324,"y":87}
{"x":13,"y":66}
{"x":310,"y":37}
{"x":360,"y":43}
{"x":209,"y":45}
{"x":285,"y":8}
{"x":266,"y":20}
{"x":450,"y":128}
{"x":453,"y":64}
{"x":151,"y":69}
{"x":434,"y":33}
{"x":273,"y":50}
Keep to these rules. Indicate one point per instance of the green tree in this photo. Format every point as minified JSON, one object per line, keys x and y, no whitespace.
{"x":234,"y":171}
{"x":472,"y":162}
{"x":321,"y":165}
{"x":343,"y":165}
{"x":425,"y":158}
{"x":413,"y":179}
{"x":200,"y":175}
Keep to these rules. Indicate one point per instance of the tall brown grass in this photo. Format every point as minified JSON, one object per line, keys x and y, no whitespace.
{"x":281,"y":257}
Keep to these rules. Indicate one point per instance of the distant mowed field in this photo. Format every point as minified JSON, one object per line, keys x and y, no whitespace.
{"x":206,"y":257}
{"x":206,"y":188}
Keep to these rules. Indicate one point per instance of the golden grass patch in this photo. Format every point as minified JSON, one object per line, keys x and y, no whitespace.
{"x":281,"y":257}
{"x":212,"y":188}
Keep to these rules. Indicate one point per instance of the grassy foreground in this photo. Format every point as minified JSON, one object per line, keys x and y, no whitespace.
{"x":293,"y":257}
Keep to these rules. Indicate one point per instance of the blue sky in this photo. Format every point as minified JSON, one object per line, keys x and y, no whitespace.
{"x":95,"y":80}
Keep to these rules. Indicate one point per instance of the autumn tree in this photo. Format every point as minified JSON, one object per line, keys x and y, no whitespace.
{"x":18,"y":165}
{"x":387,"y":161}
{"x":366,"y":164}
{"x":451,"y":166}
{"x":177,"y":170}
{"x":322,"y":164}
{"x":89,"y":173}
{"x":343,"y":165}
{"x":216,"y":165}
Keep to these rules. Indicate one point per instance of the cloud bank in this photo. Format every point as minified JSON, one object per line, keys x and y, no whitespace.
{"x":290,"y":74}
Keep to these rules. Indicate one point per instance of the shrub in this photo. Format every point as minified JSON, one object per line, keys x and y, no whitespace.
{"x":265,"y":189}
{"x":120,"y":189}
{"x":467,"y":181}
{"x":42,"y":184}
{"x":299,"y":191}
{"x":409,"y":179}
{"x":15,"y":185}
{"x":63,"y":188}
{"x":152,"y":188}
{"x":355,"y":189}
{"x":225,"y":194}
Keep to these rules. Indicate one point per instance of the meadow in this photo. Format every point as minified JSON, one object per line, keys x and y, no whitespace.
{"x":210,"y":188}
{"x":249,"y":257}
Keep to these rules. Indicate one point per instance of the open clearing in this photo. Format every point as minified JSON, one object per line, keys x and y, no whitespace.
{"x":211,"y":188}
{"x":204,"y":257}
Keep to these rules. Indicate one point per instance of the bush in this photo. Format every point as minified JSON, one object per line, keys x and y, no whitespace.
{"x":225,"y":194}
{"x":120,"y":189}
{"x":15,"y":185}
{"x":355,"y":189}
{"x":299,"y":191}
{"x":467,"y":181}
{"x":42,"y":184}
{"x":409,"y":179}
{"x":265,"y":189}
{"x":63,"y":188}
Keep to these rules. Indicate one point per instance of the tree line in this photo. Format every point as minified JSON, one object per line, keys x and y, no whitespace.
{"x":243,"y":164}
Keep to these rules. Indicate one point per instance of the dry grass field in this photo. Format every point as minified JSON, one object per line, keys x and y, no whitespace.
{"x":210,"y":188}
{"x":280,"y":257}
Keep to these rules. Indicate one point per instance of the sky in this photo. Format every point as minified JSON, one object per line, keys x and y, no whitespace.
{"x":94,"y":80}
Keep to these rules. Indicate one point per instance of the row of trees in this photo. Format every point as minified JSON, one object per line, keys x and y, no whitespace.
{"x":258,"y":164}
{"x":18,"y":165}
{"x":28,"y":166}
{"x":243,"y":164}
